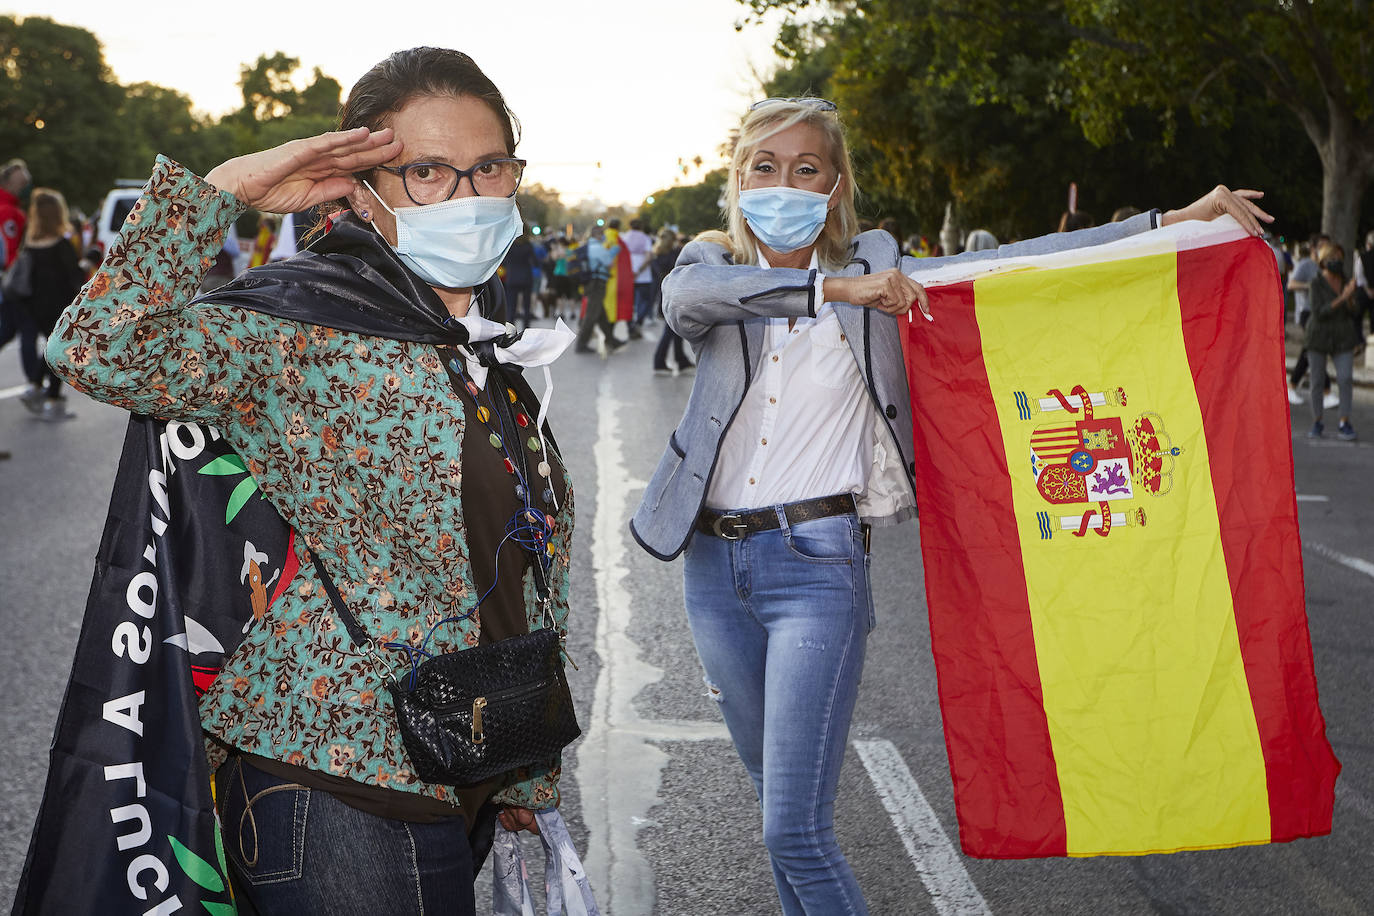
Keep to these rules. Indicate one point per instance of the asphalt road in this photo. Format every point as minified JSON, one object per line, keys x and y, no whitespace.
{"x":653,"y":792}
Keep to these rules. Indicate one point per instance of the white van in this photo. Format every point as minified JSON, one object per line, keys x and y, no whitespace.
{"x":113,"y":210}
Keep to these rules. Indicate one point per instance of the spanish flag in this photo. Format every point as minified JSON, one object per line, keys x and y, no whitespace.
{"x":620,"y":285}
{"x":1110,"y":537}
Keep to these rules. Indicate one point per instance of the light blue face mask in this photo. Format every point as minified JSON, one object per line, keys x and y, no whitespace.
{"x":785,"y":219}
{"x":458,"y":243}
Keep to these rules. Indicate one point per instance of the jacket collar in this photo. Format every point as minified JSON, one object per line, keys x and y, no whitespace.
{"x":351,"y":280}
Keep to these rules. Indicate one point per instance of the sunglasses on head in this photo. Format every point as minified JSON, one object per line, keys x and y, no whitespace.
{"x":805,"y":102}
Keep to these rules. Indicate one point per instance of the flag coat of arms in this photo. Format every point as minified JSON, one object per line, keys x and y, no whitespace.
{"x":1110,"y":537}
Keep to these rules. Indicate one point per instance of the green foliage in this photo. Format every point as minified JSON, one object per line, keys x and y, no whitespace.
{"x":692,"y":208}
{"x":541,"y":206}
{"x":997,"y":105}
{"x":60,"y":108}
{"x":79,"y":130}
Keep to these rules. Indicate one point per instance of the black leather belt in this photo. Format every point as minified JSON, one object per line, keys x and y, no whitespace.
{"x":734,"y":525}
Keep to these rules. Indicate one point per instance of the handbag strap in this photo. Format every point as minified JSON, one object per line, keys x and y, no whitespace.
{"x":355,"y":629}
{"x":351,"y":624}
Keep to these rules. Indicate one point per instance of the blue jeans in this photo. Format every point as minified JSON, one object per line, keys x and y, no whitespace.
{"x":294,"y":850}
{"x":780,"y":620}
{"x":644,"y":301}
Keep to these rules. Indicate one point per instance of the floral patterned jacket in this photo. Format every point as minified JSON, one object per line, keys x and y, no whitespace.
{"x":354,"y":439}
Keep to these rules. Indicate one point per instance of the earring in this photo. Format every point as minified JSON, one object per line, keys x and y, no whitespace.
{"x":366,"y":214}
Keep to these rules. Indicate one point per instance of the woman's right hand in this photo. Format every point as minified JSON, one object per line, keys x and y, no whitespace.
{"x":889,"y":291}
{"x":303,"y":173}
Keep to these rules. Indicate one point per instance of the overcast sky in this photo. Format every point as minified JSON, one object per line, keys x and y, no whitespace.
{"x":632,"y":84}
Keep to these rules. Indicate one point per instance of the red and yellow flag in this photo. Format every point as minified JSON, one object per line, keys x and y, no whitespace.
{"x":1110,"y":536}
{"x":620,"y":285}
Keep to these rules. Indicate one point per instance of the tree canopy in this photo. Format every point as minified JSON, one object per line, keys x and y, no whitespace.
{"x":996,"y":105}
{"x":79,"y":130}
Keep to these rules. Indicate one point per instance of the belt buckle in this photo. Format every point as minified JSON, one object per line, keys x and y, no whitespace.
{"x":735,"y":522}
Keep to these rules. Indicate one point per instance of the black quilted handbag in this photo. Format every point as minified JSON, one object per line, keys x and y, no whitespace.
{"x":469,"y":715}
{"x":486,"y":710}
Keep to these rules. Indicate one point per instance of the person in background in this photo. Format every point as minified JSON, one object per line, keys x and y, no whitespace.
{"x":640,"y":246}
{"x":1300,"y":283}
{"x":265,"y":241}
{"x":15,"y":181}
{"x":1331,"y":333}
{"x":56,"y":278}
{"x":1364,"y":286}
{"x":1073,"y":220}
{"x":1120,"y":214}
{"x":980,"y":240}
{"x":564,"y":286}
{"x":793,"y":443}
{"x":889,"y":225}
{"x":665,"y":254}
{"x":599,"y":257}
{"x":519,"y":279}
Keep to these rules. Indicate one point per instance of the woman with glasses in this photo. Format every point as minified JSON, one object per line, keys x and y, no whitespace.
{"x":796,"y":438}
{"x":348,"y":380}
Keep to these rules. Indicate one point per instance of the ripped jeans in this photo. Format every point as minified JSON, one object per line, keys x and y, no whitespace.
{"x":780,"y":620}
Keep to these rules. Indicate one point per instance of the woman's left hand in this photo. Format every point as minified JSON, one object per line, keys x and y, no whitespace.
{"x":517,"y":819}
{"x":1220,"y":200}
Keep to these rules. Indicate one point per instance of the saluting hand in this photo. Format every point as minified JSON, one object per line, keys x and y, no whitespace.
{"x":302,"y":173}
{"x":1220,"y":200}
{"x":889,"y":291}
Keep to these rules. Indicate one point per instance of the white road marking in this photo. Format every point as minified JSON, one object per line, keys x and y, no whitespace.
{"x":14,"y":392}
{"x":1312,"y":498}
{"x":619,"y":768}
{"x":937,"y":862}
{"x":1355,"y":563}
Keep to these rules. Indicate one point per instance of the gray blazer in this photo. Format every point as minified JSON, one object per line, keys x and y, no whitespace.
{"x":717,"y":306}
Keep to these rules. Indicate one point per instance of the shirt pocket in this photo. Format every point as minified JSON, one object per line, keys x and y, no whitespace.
{"x":831,"y":359}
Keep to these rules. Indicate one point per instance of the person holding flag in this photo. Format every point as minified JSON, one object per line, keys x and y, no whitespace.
{"x":796,"y":438}
{"x":619,"y":303}
{"x":372,"y":389}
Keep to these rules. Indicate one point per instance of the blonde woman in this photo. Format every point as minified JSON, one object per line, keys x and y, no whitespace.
{"x":55,"y":277}
{"x":797,"y":437}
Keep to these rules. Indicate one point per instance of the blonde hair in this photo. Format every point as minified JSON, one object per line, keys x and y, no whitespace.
{"x":835,"y":243}
{"x":47,"y":216}
{"x":1326,"y":250}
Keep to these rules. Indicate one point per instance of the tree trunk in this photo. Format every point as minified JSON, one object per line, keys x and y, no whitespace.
{"x":1347,"y":169}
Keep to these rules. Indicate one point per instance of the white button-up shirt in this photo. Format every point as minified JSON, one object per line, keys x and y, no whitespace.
{"x":805,"y":427}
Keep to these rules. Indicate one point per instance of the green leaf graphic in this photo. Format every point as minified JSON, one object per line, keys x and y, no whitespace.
{"x":241,"y":494}
{"x":196,"y":868}
{"x":219,"y":849}
{"x":225,"y":465}
{"x":220,"y":909}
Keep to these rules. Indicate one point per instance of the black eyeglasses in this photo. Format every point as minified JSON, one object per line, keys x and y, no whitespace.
{"x":804,"y":101}
{"x":435,"y":182}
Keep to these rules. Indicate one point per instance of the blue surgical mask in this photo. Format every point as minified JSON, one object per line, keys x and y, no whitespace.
{"x":785,"y":219}
{"x":457,"y":243}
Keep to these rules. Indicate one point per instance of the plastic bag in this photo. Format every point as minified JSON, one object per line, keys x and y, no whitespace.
{"x":565,"y":880}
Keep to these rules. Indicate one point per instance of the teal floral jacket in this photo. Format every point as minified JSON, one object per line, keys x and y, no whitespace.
{"x":354,"y":439}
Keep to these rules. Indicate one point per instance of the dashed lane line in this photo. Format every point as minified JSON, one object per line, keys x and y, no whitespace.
{"x":952,"y":891}
{"x":1355,"y":563}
